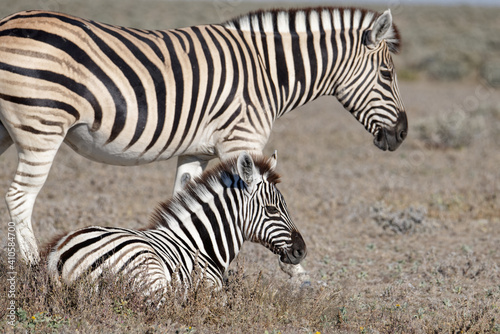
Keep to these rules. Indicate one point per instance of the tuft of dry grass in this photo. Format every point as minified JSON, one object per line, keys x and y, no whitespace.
{"x":110,"y":305}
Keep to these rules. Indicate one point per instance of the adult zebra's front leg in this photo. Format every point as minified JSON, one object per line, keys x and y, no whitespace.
{"x":188,"y":167}
{"x":37,"y":143}
{"x":32,"y":171}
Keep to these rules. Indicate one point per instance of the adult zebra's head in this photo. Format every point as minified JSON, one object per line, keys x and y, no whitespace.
{"x":266,"y":217}
{"x":369,"y":90}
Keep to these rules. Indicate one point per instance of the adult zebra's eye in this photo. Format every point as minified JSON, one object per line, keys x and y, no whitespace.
{"x":272,"y":210}
{"x":387,"y":75}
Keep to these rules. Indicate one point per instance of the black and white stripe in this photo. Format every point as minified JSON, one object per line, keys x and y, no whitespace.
{"x":203,"y":226}
{"x":127,"y":96}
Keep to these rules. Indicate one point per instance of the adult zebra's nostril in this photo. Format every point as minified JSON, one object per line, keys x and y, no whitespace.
{"x":402,"y":135}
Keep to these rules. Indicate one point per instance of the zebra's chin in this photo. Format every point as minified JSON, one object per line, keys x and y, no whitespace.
{"x":380,"y":139}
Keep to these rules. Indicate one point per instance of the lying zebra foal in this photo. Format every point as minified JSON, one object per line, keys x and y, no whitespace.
{"x":203,"y":227}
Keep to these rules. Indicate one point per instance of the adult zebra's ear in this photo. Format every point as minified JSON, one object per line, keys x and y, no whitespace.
{"x":382,"y":29}
{"x":246,"y":169}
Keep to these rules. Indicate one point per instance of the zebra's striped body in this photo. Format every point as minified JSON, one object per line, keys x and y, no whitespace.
{"x":126,"y":96}
{"x":203,"y":226}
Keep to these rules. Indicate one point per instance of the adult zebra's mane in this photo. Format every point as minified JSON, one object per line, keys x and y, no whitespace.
{"x":311,"y":19}
{"x":203,"y":187}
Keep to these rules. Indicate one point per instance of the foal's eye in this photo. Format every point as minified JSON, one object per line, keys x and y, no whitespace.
{"x":272,"y":210}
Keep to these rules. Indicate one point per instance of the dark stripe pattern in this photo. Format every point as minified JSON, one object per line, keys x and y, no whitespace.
{"x":126,"y":96}
{"x":203,"y":227}
{"x":157,"y":90}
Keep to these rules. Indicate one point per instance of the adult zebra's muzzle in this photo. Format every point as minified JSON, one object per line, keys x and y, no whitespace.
{"x":297,"y":251}
{"x":390,"y":138}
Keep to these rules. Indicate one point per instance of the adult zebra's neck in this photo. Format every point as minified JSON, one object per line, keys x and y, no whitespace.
{"x":303,"y":51}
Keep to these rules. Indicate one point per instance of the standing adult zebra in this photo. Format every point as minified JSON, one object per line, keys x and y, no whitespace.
{"x":127,"y":96}
{"x":203,"y":226}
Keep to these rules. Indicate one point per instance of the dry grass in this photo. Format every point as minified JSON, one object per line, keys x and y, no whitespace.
{"x":402,"y":242}
{"x":254,"y":303}
{"x":444,"y":298}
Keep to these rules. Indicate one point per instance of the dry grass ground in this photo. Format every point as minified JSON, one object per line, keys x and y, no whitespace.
{"x":405,"y":242}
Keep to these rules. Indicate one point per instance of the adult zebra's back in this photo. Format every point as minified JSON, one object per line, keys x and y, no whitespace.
{"x":127,"y":96}
{"x":203,"y":226}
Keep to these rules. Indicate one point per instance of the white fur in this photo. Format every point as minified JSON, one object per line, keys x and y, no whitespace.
{"x":283,"y":22}
{"x":300,"y":22}
{"x":382,"y":28}
{"x":27,"y":242}
{"x":326,"y":20}
{"x":247,"y":172}
{"x":267,"y":22}
{"x":255,"y":23}
{"x":367,"y":20}
{"x":347,"y":19}
{"x":188,"y":165}
{"x":336,"y":20}
{"x":230,"y":25}
{"x":356,"y":20}
{"x":245,"y":23}
{"x":314,"y":21}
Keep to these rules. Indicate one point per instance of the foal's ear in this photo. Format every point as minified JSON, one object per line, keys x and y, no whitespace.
{"x":246,"y":169}
{"x":273,"y":160}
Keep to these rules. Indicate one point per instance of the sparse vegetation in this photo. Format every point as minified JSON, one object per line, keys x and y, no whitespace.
{"x":467,"y":120}
{"x":410,"y":220}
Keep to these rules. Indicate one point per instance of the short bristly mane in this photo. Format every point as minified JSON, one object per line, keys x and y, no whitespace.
{"x":200,"y":186}
{"x":311,"y":19}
